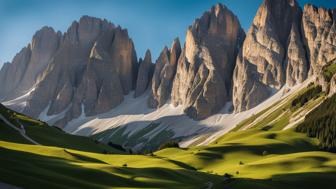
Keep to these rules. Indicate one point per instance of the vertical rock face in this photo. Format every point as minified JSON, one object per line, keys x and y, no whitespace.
{"x":319,"y":31}
{"x":12,"y":74}
{"x":90,"y":73}
{"x":124,"y":56}
{"x":31,"y":62}
{"x":3,"y":77}
{"x":164,"y":73}
{"x":332,"y":87}
{"x":203,"y":80}
{"x":144,"y":75}
{"x":296,"y":61}
{"x":273,"y":42}
{"x":44,"y":45}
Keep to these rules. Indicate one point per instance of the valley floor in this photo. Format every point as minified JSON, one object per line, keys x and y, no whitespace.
{"x":255,"y":159}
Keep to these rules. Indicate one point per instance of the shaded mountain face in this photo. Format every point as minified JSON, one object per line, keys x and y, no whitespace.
{"x":164,"y":73}
{"x":87,"y":70}
{"x":90,"y":68}
{"x":203,"y":80}
{"x":145,"y":74}
{"x":20,"y":76}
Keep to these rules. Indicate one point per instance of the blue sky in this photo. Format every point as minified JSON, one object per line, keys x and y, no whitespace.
{"x":152,"y":24}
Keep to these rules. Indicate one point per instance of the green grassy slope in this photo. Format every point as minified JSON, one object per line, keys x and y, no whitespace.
{"x":286,"y":111}
{"x":46,"y":135}
{"x":52,"y":167}
{"x":67,"y":161}
{"x":262,"y":159}
{"x":256,"y":159}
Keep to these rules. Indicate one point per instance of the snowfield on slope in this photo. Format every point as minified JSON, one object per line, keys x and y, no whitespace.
{"x":19,"y":103}
{"x":134,"y":115}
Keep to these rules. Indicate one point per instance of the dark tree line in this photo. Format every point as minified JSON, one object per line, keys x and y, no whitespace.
{"x":169,"y":144}
{"x":312,"y":93}
{"x":321,"y":123}
{"x":329,"y":70}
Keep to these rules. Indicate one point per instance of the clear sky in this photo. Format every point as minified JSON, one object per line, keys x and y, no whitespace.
{"x":152,"y":24}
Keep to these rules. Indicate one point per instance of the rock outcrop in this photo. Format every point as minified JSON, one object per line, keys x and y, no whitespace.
{"x":12,"y":74}
{"x":164,"y":73}
{"x":296,"y":61}
{"x":203,"y":80}
{"x":86,"y":71}
{"x":90,"y":68}
{"x":30,"y":63}
{"x":332,"y":87}
{"x":44,"y":45}
{"x":319,"y":31}
{"x":271,"y":51}
{"x":145,"y":74}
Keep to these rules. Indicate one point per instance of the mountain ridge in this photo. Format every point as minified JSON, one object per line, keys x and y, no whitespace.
{"x":95,"y":66}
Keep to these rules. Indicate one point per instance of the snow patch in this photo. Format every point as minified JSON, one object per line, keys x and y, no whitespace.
{"x":52,"y":119}
{"x":134,"y":115}
{"x":20,"y":102}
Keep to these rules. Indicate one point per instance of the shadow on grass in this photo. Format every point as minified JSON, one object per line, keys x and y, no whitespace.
{"x":30,"y":170}
{"x":258,"y":149}
{"x":84,"y":158}
{"x":178,"y":163}
{"x":309,"y":180}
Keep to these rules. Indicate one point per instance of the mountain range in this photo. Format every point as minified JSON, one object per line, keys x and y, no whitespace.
{"x":225,"y":109}
{"x":89,"y":80}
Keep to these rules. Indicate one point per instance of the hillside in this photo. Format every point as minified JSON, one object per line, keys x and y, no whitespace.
{"x":255,"y":157}
{"x":18,"y":128}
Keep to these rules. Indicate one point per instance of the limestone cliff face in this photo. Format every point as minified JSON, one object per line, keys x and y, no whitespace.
{"x":88,"y":69}
{"x":271,"y":51}
{"x":31,"y":61}
{"x":89,"y":74}
{"x":319,"y":31}
{"x":145,"y":74}
{"x":332,"y":87}
{"x":295,"y":61}
{"x":3,"y":77}
{"x":44,"y":45}
{"x":164,"y":73}
{"x":203,"y":79}
{"x":12,"y":73}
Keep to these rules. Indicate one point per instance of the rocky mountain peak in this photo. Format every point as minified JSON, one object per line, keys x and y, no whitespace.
{"x":278,"y":15}
{"x":148,"y":56}
{"x":89,"y":69}
{"x":164,"y":73}
{"x":204,"y":73}
{"x":32,"y":60}
{"x":261,"y":65}
{"x":145,"y":74}
{"x":218,"y":9}
{"x":319,"y":31}
{"x":175,"y":51}
{"x":86,"y":71}
{"x":41,"y":38}
{"x":318,"y":13}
